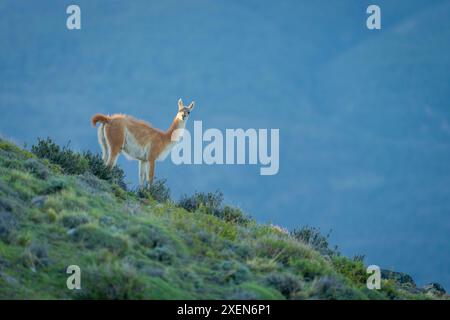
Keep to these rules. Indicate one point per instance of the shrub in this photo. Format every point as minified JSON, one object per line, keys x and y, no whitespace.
{"x":351,"y":269}
{"x":97,"y":167}
{"x":106,"y":221}
{"x":8,"y":223}
{"x":113,"y":281}
{"x":119,"y":192}
{"x":55,"y":186}
{"x":9,"y":200}
{"x":309,"y":268}
{"x":69,"y":161}
{"x":332,"y":288}
{"x":241,"y":294}
{"x":240,"y":249}
{"x":92,"y":184}
{"x":149,"y":236}
{"x":36,"y":255}
{"x":155,"y":241}
{"x":282,"y":251}
{"x":74,"y":220}
{"x":399,"y":277}
{"x":189,"y":276}
{"x":232,"y":271}
{"x":211,"y":202}
{"x":262,"y":264}
{"x":359,"y":257}
{"x":37,"y":168}
{"x":234,"y":215}
{"x":75,"y":163}
{"x":12,"y":149}
{"x":93,"y":237}
{"x":51,"y":215}
{"x":149,"y":269}
{"x":287,"y":284}
{"x":157,"y":191}
{"x":315,"y":239}
{"x":24,"y":239}
{"x":250,"y":289}
{"x":164,"y":254}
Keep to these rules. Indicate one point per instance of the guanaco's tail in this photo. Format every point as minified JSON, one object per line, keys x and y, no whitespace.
{"x":99,"y":118}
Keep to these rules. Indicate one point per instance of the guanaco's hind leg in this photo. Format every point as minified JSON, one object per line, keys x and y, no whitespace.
{"x":115,"y":137}
{"x":143,"y":172}
{"x":102,"y":142}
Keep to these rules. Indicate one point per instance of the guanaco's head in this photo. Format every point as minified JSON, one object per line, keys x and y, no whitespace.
{"x":183,"y":111}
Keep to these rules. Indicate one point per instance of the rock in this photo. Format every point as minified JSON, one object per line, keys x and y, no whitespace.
{"x":400,"y":277}
{"x":434,"y":288}
{"x":72,"y":231}
{"x":39,"y":201}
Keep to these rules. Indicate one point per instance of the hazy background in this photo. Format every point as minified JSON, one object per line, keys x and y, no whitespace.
{"x":364,"y":116}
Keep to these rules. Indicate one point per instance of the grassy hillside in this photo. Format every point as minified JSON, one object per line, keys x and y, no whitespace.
{"x":129,"y":245}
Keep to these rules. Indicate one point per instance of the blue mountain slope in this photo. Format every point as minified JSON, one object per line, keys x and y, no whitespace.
{"x":388,"y":99}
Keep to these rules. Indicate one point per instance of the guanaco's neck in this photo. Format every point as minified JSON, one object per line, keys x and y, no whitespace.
{"x":176,"y":124}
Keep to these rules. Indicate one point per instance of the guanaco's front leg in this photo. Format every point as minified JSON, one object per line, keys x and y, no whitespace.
{"x":151,"y":172}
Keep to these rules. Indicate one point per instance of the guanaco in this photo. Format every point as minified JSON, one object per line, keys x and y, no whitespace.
{"x":138,"y":140}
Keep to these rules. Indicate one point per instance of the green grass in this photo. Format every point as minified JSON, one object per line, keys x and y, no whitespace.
{"x":130,"y":246}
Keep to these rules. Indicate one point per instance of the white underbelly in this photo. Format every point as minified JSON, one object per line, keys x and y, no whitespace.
{"x":133,"y":150}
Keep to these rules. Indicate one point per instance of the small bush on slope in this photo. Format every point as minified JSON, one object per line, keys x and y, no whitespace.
{"x":352,"y":269}
{"x":212,"y":203}
{"x":287,"y":284}
{"x":92,"y":236}
{"x":101,"y":171}
{"x":36,"y":256}
{"x":77,"y":163}
{"x":112,"y":282}
{"x":158,"y":190}
{"x":313,"y":237}
{"x":70,"y":161}
{"x":8,"y":224}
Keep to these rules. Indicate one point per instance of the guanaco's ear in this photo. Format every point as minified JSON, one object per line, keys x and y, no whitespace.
{"x":191,"y":106}
{"x":180,"y":104}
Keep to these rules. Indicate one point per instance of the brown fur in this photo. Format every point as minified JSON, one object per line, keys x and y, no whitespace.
{"x":99,"y":118}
